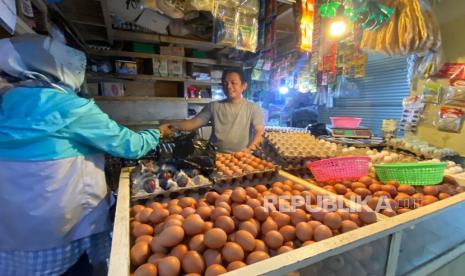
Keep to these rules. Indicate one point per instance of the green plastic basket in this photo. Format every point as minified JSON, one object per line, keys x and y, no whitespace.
{"x":420,"y":174}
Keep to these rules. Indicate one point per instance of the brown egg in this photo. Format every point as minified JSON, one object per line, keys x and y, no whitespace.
{"x":187,"y":202}
{"x":430,"y":190}
{"x":281,"y":219}
{"x":144,"y":238}
{"x":344,"y":214}
{"x":219,"y":211}
{"x":351,"y":195}
{"x":404,"y":200}
{"x":356,"y":218}
{"x":347,"y":183}
{"x":204,"y":212}
{"x":389,"y":212}
{"x":232,"y":252}
{"x":304,"y":231}
{"x":382,"y":194}
{"x":289,"y":244}
{"x":243,"y":212}
{"x":226,"y":223}
{"x":442,"y":196}
{"x":143,"y":216}
{"x":322,"y":232}
{"x":392,"y":190}
{"x":171,"y":222}
{"x":298,"y":216}
{"x":356,"y":185}
{"x":175,"y":209}
{"x":260,"y":246}
{"x":192,"y":262}
{"x":373,"y":203}
{"x":169,"y":266}
{"x":235,"y":265}
{"x":211,"y":197}
{"x":158,"y":215}
{"x":288,"y":232}
{"x":245,"y":240}
{"x":146,"y":270}
{"x":406,"y":189}
{"x":179,"y":250}
{"x":208,"y":225}
{"x":308,"y":243}
{"x":253,"y":203}
{"x":193,"y":225}
{"x":392,"y":183}
{"x":363,"y":192}
{"x":314,"y":224}
{"x":251,"y":192}
{"x":175,"y":216}
{"x":159,"y":228}
{"x":250,"y":226}
{"x":340,"y":189}
{"x":223,"y":198}
{"x":375,"y":187}
{"x":239,"y":195}
{"x":284,"y":249}
{"x":142,"y":229}
{"x":269,"y":225}
{"x":156,"y":258}
{"x":215,"y":238}
{"x":348,"y":225}
{"x":390,"y":203}
{"x":318,"y":213}
{"x":157,"y":247}
{"x":261,"y":213}
{"x":403,"y":210}
{"x":134,"y":223}
{"x":367,"y":216}
{"x":332,"y":220}
{"x":212,"y":256}
{"x":366,"y":180}
{"x":196,"y":243}
{"x":136,"y":209}
{"x":274,"y":239}
{"x":257,"y":256}
{"x":429,"y":199}
{"x":215,"y":269}
{"x":187,"y":211}
{"x":171,"y":236}
{"x":139,"y":253}
{"x":261,"y":188}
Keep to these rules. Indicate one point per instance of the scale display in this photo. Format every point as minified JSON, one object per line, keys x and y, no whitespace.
{"x":352,"y":132}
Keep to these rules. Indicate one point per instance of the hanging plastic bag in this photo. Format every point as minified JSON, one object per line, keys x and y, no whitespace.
{"x":198,"y":5}
{"x":456,"y":94}
{"x":247,"y":31}
{"x":450,"y":119}
{"x":431,"y":92}
{"x":225,"y":29}
{"x":194,"y":153}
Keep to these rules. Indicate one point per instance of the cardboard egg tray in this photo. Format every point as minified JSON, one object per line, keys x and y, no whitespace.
{"x":251,"y":177}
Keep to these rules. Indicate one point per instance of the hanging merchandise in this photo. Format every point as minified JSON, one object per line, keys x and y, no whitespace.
{"x":411,"y":115}
{"x":225,"y":28}
{"x":306,"y":24}
{"x":198,"y":5}
{"x":413,"y":28}
{"x":450,"y":119}
{"x":423,"y":66}
{"x":247,"y":27}
{"x":456,"y":94}
{"x":431,"y":92}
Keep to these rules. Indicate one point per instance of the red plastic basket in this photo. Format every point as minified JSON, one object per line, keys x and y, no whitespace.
{"x":346,"y":122}
{"x":340,"y":168}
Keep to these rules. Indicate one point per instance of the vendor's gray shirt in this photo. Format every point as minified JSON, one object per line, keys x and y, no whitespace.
{"x":233,"y":123}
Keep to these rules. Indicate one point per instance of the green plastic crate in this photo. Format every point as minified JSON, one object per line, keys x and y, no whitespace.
{"x":143,"y":48}
{"x":419,"y":174}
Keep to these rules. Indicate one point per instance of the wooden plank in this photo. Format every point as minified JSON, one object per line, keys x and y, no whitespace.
{"x":394,"y":251}
{"x":107,"y":20}
{"x":156,"y":38}
{"x":438,"y":263}
{"x":87,"y":20}
{"x":102,"y":76}
{"x":119,"y":256}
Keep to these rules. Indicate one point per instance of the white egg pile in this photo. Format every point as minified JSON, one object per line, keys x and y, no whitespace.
{"x":420,"y":147}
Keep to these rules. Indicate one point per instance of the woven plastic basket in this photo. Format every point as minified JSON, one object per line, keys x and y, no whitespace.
{"x":420,"y":174}
{"x":340,"y":168}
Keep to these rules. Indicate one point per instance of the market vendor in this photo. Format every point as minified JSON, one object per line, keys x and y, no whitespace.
{"x":238,"y":124}
{"x":54,"y":202}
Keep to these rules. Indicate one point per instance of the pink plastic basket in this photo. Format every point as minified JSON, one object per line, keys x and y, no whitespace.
{"x":348,"y":122}
{"x":340,"y":168}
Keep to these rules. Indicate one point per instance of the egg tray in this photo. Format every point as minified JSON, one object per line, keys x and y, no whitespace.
{"x":185,"y":191}
{"x":254,"y":176}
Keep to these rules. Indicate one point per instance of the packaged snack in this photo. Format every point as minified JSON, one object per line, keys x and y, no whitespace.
{"x":163,"y":67}
{"x":450,"y":119}
{"x":431,"y":92}
{"x":198,"y":5}
{"x":456,"y":94}
{"x":247,"y":28}
{"x":411,"y":115}
{"x":225,"y":29}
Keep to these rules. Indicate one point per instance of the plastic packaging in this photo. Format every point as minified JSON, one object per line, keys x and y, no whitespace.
{"x":225,"y":29}
{"x":250,"y":6}
{"x":431,"y":92}
{"x":198,"y":5}
{"x":247,"y":28}
{"x":456,"y":94}
{"x":450,"y":119}
{"x":413,"y":108}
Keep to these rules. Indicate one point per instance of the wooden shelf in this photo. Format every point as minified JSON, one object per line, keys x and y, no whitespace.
{"x":138,"y":98}
{"x":199,"y":101}
{"x":103,"y":76}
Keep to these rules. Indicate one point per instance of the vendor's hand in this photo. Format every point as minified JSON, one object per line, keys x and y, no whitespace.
{"x":166,"y":130}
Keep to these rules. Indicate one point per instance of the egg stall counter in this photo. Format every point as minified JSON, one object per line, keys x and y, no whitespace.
{"x":228,"y":230}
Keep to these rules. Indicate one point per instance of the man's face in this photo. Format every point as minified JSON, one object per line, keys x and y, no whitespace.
{"x":233,"y":87}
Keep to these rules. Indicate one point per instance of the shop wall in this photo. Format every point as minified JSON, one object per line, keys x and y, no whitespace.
{"x":451,"y":14}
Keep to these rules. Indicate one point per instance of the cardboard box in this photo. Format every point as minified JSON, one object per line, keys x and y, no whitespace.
{"x":125,"y":67}
{"x":172,"y":51}
{"x":175,"y":68}
{"x":112,"y":89}
{"x":153,"y":21}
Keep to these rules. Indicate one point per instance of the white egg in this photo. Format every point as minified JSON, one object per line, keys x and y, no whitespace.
{"x":387,"y":159}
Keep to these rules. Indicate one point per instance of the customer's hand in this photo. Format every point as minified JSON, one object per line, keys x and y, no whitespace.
{"x":166,"y":130}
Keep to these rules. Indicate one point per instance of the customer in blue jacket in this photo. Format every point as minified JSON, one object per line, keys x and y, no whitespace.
{"x":54,"y":202}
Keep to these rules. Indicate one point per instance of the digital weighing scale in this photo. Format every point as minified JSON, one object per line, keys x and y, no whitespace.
{"x":357,"y":137}
{"x":358,"y":133}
